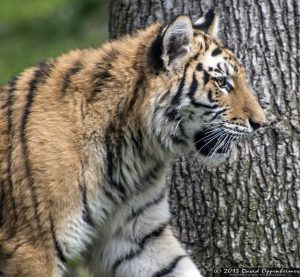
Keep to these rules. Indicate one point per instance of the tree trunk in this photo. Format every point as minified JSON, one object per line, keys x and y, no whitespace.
{"x":245,"y":213}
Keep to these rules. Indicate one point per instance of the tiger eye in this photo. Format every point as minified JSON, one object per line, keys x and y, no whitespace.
{"x":221,"y":82}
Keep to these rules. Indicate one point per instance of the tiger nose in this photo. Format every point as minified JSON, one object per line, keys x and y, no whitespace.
{"x":255,"y":124}
{"x":256,"y":115}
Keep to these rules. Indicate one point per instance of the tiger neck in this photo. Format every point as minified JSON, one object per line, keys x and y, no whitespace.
{"x":134,"y":162}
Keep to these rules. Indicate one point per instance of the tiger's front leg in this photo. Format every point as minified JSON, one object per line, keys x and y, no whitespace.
{"x":155,"y":255}
{"x":140,"y":243}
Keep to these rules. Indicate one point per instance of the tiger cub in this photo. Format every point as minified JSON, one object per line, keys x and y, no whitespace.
{"x":86,"y":140}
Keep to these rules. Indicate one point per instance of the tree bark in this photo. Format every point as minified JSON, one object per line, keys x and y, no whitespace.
{"x":245,"y":213}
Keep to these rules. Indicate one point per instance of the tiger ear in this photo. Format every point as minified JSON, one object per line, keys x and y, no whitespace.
{"x":209,"y":23}
{"x":176,"y":41}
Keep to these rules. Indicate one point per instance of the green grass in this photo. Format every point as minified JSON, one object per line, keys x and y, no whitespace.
{"x":34,"y":30}
{"x":15,"y":11}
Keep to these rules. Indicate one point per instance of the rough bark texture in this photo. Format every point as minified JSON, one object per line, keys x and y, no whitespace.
{"x":246,"y":212}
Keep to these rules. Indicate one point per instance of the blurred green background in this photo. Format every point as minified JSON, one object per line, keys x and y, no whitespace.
{"x":34,"y":30}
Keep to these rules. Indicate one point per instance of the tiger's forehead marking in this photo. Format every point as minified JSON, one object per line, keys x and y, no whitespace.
{"x":218,"y":60}
{"x":217,"y":66}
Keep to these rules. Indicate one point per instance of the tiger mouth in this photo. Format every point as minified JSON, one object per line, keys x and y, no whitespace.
{"x":208,"y":145}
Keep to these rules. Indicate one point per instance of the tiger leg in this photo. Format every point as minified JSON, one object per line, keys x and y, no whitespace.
{"x":158,"y":255}
{"x":30,"y":261}
{"x":139,"y":243}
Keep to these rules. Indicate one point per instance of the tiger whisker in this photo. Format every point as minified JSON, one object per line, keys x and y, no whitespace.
{"x":212,"y":130}
{"x":206,"y":137}
{"x":218,"y":145}
{"x":215,"y":122}
{"x":176,"y":127}
{"x":211,"y":136}
{"x":219,"y":134}
{"x":231,"y":138}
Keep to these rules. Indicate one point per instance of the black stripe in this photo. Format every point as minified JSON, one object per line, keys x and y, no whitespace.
{"x":100,"y":78}
{"x":163,"y":98}
{"x":115,"y":142}
{"x":182,"y":130}
{"x":217,"y":51}
{"x":41,"y":72}
{"x":102,"y":73}
{"x":125,"y":258}
{"x":137,"y":138}
{"x":86,"y":210}
{"x":70,"y":72}
{"x":177,"y":97}
{"x":219,"y":67}
{"x":193,"y":87}
{"x":152,"y":172}
{"x":219,"y":112}
{"x":199,"y":67}
{"x":142,"y":243}
{"x":196,"y":57}
{"x":137,"y":92}
{"x":10,"y":100}
{"x":172,"y":112}
{"x":148,"y":205}
{"x":57,"y":246}
{"x":120,"y":188}
{"x":154,"y":234}
{"x":106,"y":211}
{"x":191,"y":93}
{"x":205,"y":77}
{"x":207,"y":113}
{"x":110,"y":172}
{"x":199,"y":104}
{"x":178,"y":140}
{"x":206,"y":43}
{"x":209,"y":96}
{"x":218,"y":71}
{"x":169,"y":268}
{"x":110,"y":196}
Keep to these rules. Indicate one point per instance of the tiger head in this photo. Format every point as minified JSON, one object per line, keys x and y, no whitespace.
{"x":203,"y":99}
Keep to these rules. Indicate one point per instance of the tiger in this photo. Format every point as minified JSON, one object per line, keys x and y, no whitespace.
{"x":87,"y":140}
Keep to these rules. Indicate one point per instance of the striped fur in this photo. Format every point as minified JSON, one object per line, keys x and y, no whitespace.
{"x":86,"y":140}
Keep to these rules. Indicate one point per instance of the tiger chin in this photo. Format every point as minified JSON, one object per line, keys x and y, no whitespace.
{"x":86,"y":140}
